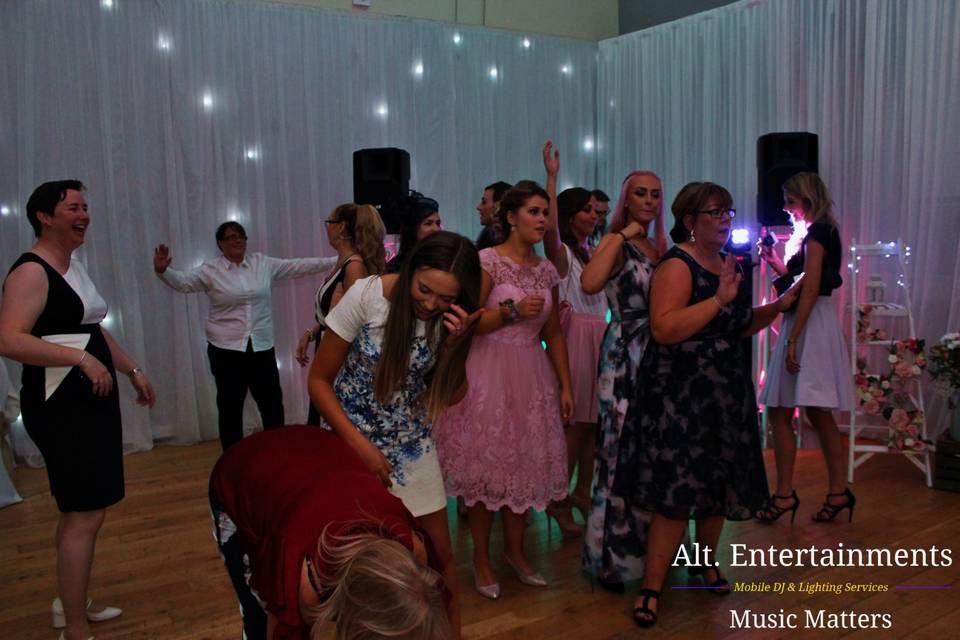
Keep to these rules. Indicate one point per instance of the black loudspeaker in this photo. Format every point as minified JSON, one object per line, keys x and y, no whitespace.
{"x":779,"y":156}
{"x":381,"y":177}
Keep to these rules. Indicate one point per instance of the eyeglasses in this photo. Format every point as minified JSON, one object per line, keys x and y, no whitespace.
{"x":331,"y":222}
{"x":719,"y":213}
{"x":234,"y":236}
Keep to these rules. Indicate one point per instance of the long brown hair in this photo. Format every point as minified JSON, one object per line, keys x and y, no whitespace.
{"x":448,"y":252}
{"x":363,"y":227}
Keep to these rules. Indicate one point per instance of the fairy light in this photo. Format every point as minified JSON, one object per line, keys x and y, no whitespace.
{"x":457,"y":39}
{"x":526,"y":43}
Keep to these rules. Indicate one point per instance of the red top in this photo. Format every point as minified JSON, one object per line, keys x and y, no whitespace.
{"x":281,"y":488}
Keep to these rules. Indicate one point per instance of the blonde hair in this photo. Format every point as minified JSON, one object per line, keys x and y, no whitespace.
{"x":376,"y":589}
{"x":364,"y":228}
{"x":816,"y":199}
{"x":621,"y":214}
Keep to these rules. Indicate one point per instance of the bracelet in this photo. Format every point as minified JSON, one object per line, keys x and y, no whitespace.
{"x":624,"y":236}
{"x":791,"y":341}
{"x":717,"y":300}
{"x":81,"y":359}
{"x":134,"y":372}
{"x":513,"y":314}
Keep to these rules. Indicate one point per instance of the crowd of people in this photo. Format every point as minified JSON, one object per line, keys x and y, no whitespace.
{"x":477,"y":370}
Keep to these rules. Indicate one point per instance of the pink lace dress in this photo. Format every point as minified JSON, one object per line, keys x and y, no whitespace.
{"x":503,"y":444}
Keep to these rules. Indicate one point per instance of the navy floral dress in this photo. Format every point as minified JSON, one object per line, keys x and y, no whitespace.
{"x":692,"y":447}
{"x":614,"y":545}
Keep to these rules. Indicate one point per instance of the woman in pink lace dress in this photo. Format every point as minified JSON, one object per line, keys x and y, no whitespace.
{"x":502,"y":447}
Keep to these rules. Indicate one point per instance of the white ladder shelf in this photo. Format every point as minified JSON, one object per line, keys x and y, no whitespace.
{"x":858,"y":453}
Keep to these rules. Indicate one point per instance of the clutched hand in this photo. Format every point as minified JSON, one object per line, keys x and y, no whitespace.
{"x":457,"y":321}
{"x":531,"y":306}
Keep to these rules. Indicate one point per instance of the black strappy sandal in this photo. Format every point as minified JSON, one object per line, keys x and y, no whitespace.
{"x":829,"y":511}
{"x":719,"y":587}
{"x":643,"y":615}
{"x":771,"y":512}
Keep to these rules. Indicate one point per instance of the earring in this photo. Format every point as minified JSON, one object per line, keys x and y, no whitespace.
{"x":693,"y":238}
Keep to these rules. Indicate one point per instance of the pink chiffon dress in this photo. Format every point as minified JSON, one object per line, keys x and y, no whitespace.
{"x":503,"y":444}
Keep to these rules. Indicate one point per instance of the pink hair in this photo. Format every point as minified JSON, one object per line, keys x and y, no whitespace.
{"x":619,"y":219}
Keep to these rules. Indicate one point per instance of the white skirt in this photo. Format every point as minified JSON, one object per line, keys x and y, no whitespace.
{"x":422,"y":489}
{"x":824,"y":380}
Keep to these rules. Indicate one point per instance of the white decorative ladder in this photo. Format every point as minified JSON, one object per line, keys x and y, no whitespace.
{"x":859,"y":453}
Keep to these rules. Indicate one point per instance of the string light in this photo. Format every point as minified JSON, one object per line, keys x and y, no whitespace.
{"x":252,"y":153}
{"x":106,"y":4}
{"x":382,"y":110}
{"x":494,"y":73}
{"x":234,"y":214}
{"x":588,"y":144}
{"x":207,"y":100}
{"x":457,"y":39}
{"x":565,"y":70}
{"x":4,"y":210}
{"x":418,"y":69}
{"x":526,"y":43}
{"x":163,"y":43}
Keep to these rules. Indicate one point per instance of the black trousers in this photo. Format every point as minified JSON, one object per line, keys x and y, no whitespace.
{"x":237,"y":562}
{"x":236,"y":372}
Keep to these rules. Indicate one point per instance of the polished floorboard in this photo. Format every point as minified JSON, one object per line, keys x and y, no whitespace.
{"x":157,"y":560}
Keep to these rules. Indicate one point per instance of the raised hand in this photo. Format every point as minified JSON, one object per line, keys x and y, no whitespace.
{"x":531,"y":306}
{"x":161,"y":258}
{"x":551,"y":159}
{"x":730,"y":280}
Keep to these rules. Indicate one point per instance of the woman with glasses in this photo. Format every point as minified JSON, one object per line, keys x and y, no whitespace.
{"x":356,"y":232}
{"x":691,"y":448}
{"x":310,"y":538}
{"x":810,"y":366}
{"x":240,"y":323}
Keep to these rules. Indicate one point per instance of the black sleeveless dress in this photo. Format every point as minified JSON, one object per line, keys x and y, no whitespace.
{"x":78,"y":433}
{"x":323,"y":301}
{"x":691,"y":448}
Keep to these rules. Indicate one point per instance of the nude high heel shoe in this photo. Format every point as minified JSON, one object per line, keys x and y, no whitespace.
{"x":60,"y":621}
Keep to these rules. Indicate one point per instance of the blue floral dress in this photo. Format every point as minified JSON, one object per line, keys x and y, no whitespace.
{"x":400,"y":428}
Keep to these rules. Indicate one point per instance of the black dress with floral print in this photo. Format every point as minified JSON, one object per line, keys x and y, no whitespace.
{"x":691,"y":448}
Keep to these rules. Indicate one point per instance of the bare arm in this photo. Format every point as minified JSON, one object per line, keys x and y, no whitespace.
{"x":331,"y":355}
{"x":606,"y":260}
{"x":671,"y":319}
{"x":125,"y":364}
{"x":552,"y":245}
{"x":552,"y":334}
{"x":812,"y":274}
{"x":490,"y":319}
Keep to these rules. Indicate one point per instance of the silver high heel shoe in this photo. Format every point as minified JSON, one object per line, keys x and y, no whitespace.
{"x":533,"y":579}
{"x":491,"y":591}
{"x":60,"y":621}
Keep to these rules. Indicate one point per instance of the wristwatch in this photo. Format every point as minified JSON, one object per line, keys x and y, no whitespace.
{"x":513,"y":314}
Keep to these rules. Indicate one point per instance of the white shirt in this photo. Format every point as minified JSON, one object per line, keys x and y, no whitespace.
{"x":240,"y":295}
{"x":572,"y":291}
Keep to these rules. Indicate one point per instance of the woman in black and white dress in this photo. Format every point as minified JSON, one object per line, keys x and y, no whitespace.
{"x":356,"y":232}
{"x":50,"y":321}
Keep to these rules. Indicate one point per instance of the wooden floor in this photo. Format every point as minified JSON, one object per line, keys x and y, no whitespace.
{"x":157,"y":560}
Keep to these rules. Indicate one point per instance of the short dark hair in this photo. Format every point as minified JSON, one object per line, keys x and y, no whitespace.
{"x":226,"y":226}
{"x":499,"y":188}
{"x":600,"y":196}
{"x":691,"y":199}
{"x":515,"y":198}
{"x":46,"y":197}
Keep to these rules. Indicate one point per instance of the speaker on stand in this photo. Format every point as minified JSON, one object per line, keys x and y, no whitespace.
{"x":779,"y":156}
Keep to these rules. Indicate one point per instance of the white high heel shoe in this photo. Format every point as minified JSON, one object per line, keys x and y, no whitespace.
{"x":60,"y":621}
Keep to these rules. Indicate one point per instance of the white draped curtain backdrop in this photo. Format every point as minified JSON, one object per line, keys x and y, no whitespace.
{"x":180,"y":114}
{"x":878,"y":81}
